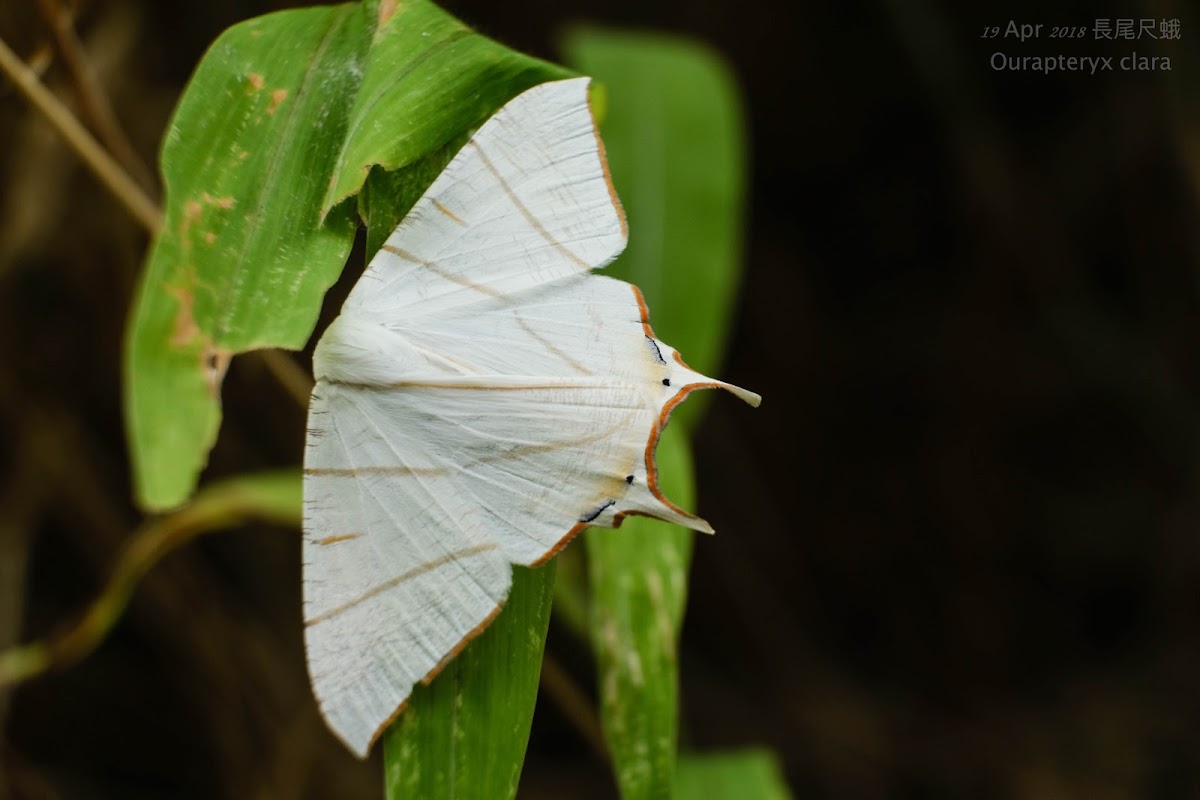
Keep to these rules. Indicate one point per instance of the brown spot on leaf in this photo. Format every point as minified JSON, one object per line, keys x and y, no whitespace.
{"x":277,"y":97}
{"x":225,"y":203}
{"x":185,"y":329}
{"x":386,"y":9}
{"x":193,"y":211}
{"x":214,"y":362}
{"x":256,"y":80}
{"x":191,"y":215}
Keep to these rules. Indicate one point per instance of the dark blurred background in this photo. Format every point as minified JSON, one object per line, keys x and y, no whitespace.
{"x":960,"y":541}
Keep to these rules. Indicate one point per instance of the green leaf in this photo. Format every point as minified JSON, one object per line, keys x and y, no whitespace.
{"x":429,"y":79}
{"x":286,"y":115}
{"x":464,"y":735}
{"x":672,"y":132}
{"x":738,"y":775}
{"x":243,"y":260}
{"x":638,"y":575}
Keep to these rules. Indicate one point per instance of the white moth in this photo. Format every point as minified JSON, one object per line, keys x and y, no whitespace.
{"x":481,"y":399}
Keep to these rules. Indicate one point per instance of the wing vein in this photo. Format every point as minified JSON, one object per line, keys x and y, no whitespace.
{"x":379,"y":589}
{"x":529,"y":217}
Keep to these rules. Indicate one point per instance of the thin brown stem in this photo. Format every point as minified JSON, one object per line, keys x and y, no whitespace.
{"x":103,"y":166}
{"x":574,"y":705}
{"x":295,"y":381}
{"x":92,"y":98}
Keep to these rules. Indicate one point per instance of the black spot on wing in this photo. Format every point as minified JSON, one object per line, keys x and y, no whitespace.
{"x":598,"y":510}
{"x":657,"y":353}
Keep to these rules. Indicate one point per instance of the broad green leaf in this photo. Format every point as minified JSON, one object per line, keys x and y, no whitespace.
{"x":243,"y":259}
{"x":464,"y":735}
{"x":429,"y":79}
{"x":673,"y":133}
{"x":638,"y":575}
{"x":738,"y":775}
{"x":286,"y":114}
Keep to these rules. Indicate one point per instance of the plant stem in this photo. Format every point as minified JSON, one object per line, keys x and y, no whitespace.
{"x":221,"y":506}
{"x":92,"y":98}
{"x":124,"y":188}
